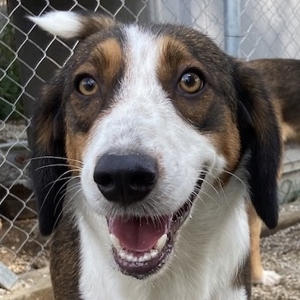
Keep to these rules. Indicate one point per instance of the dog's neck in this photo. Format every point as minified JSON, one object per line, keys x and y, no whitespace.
{"x":203,"y":253}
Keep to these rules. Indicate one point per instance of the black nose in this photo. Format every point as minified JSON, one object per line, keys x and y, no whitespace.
{"x":125,"y":179}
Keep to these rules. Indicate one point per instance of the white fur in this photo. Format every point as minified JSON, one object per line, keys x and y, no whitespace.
{"x":209,"y":248}
{"x":64,"y":24}
{"x":212,"y":243}
{"x":270,"y":278}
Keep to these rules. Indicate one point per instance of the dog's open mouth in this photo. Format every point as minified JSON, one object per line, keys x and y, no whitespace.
{"x":142,"y":245}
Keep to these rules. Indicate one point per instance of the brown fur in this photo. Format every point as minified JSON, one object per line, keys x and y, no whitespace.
{"x":75,"y":144}
{"x":69,"y":257}
{"x":281,"y":78}
{"x":108,"y":55}
{"x":243,"y":278}
{"x":92,"y":23}
{"x":255,"y":225}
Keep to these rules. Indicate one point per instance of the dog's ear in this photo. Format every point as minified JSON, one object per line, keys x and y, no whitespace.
{"x":260,"y":135}
{"x":49,"y":166}
{"x":50,"y":171}
{"x":72,"y":25}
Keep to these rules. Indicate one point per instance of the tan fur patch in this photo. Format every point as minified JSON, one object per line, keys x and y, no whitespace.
{"x":109,"y":56}
{"x":228,"y":145}
{"x":255,"y":228}
{"x":175,"y":57}
{"x":75,"y":145}
{"x":174,"y":60}
{"x":288,"y":132}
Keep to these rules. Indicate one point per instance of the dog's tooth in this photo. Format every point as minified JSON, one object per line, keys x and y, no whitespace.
{"x":142,"y":259}
{"x":122,"y":254}
{"x":161,"y":242}
{"x":153,"y":253}
{"x":129,"y":257}
{"x":147,"y":256}
{"x":115,"y":241}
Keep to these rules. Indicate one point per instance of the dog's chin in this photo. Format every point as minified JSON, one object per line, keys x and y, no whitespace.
{"x":142,"y":245}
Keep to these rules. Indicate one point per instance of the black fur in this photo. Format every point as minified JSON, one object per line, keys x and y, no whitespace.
{"x":49,"y":165}
{"x":260,"y":134}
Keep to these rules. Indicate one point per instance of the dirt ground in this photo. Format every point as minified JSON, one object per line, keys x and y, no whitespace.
{"x":22,"y":248}
{"x":281,"y":253}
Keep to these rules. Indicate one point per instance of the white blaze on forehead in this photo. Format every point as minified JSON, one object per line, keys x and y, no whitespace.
{"x":142,"y":49}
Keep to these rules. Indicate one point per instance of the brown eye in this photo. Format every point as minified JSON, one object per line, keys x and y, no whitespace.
{"x":191,"y":83}
{"x":87,"y":86}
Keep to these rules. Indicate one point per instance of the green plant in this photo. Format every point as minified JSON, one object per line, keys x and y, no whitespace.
{"x":10,"y":74}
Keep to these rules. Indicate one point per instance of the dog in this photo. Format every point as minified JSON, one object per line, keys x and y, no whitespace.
{"x":280,"y":78}
{"x":147,"y":145}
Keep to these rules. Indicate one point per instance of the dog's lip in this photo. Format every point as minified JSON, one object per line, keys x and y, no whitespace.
{"x":141,"y":263}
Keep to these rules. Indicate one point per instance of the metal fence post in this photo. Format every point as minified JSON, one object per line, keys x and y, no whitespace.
{"x":232,"y":27}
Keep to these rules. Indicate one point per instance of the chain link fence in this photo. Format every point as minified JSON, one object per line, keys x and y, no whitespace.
{"x":28,"y":58}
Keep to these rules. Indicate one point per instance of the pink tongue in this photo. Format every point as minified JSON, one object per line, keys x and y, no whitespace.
{"x":138,"y":234}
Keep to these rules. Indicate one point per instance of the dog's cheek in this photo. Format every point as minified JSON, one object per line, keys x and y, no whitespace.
{"x":75,"y":146}
{"x":227,"y":144}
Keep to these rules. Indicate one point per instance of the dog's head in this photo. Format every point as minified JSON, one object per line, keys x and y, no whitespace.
{"x":145,"y":117}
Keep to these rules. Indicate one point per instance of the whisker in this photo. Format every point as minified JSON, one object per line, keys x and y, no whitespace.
{"x":232,"y":174}
{"x":61,"y":212}
{"x":55,"y":157}
{"x":223,"y":192}
{"x":76,"y":168}
{"x":60,"y":178}
{"x":63,"y":186}
{"x":53,"y":183}
{"x":66,"y":192}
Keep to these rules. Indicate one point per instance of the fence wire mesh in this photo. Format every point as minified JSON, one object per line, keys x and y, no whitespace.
{"x":28,"y":58}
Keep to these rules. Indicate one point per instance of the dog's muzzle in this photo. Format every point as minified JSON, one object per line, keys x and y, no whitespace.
{"x":141,"y":245}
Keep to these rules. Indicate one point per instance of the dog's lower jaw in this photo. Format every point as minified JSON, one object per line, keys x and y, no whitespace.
{"x":150,"y":243}
{"x":203,"y":251}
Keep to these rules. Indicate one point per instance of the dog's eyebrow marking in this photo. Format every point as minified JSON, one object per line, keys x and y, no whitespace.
{"x":174,"y":59}
{"x":173,"y":54}
{"x":108,"y":55}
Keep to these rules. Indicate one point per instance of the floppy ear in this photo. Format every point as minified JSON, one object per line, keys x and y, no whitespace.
{"x":50,"y":171}
{"x":69,"y":24}
{"x":49,"y":166}
{"x":261,"y":135}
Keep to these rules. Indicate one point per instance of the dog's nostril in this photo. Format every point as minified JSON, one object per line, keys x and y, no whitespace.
{"x":125,"y":178}
{"x":105,"y":180}
{"x":142,"y":180}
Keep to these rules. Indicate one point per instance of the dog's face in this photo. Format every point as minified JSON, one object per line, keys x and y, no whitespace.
{"x":146,"y":117}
